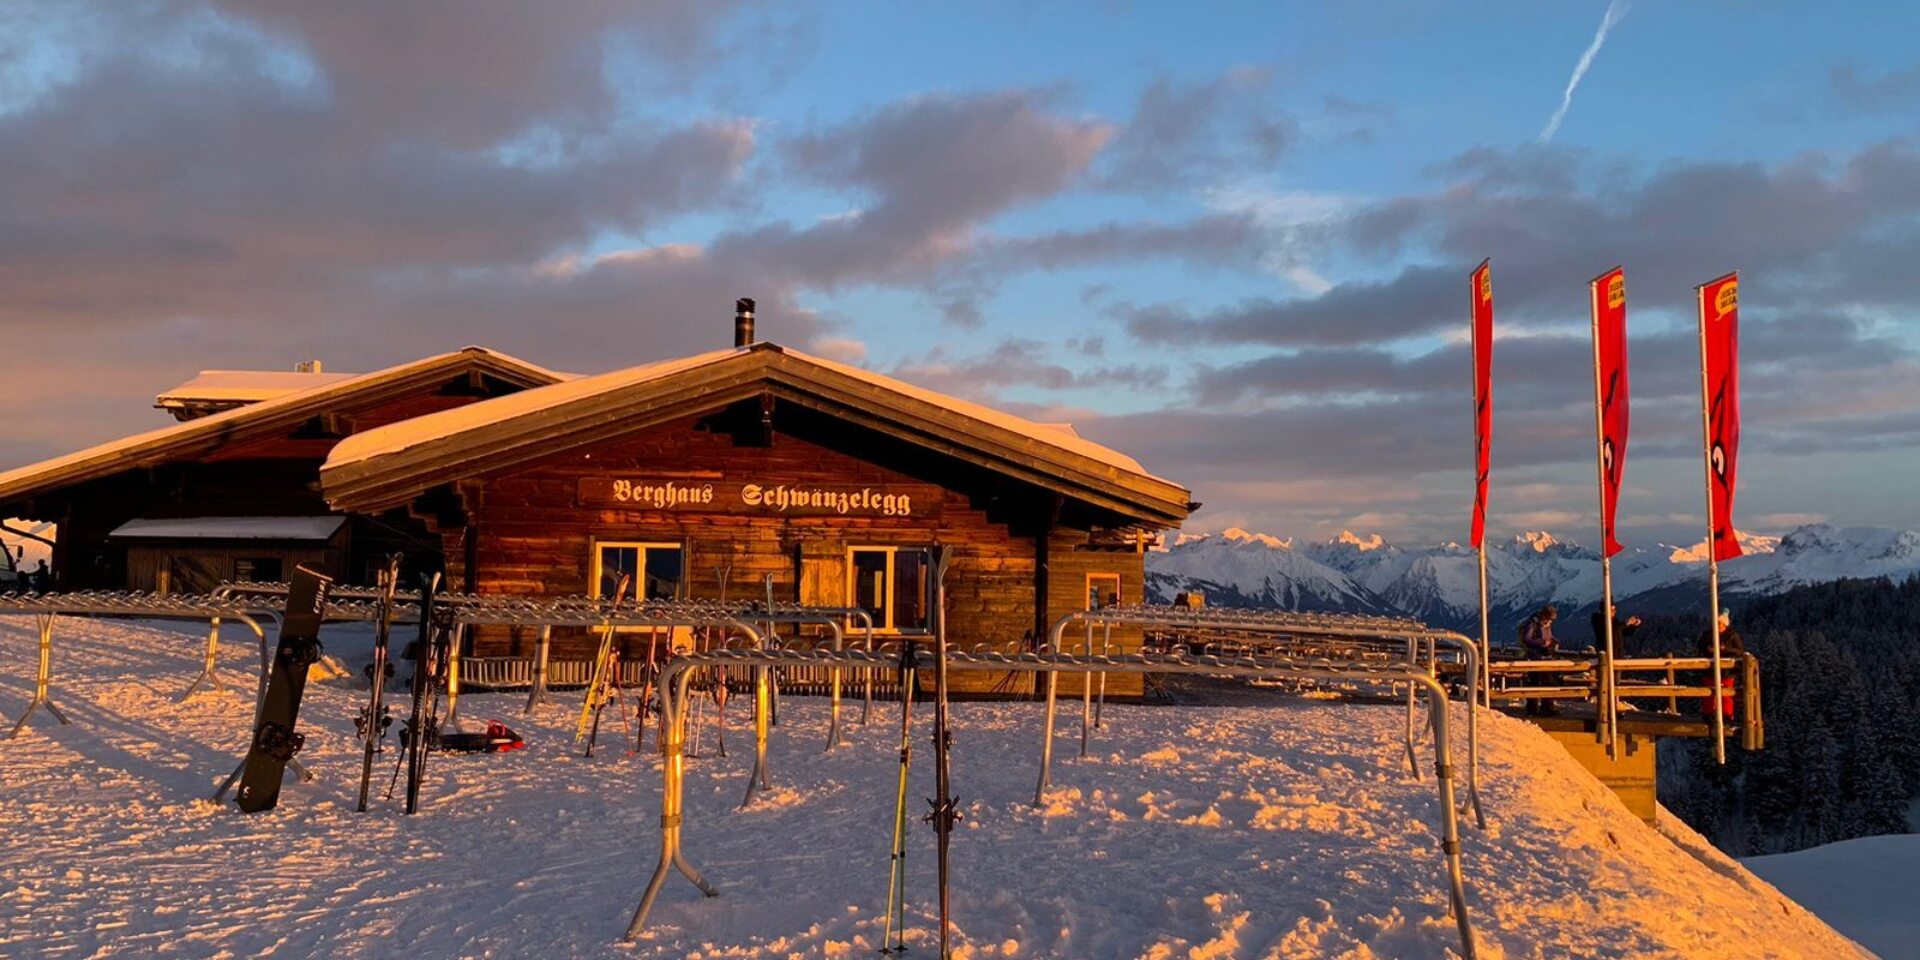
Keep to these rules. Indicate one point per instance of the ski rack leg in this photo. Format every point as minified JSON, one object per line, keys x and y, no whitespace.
{"x":762,"y":702}
{"x":1449,"y":814}
{"x":1413,"y":663}
{"x":42,"y":680}
{"x":538,"y":694}
{"x":1100,"y":698}
{"x":1046,"y":738}
{"x":866,"y":708}
{"x":834,"y":674}
{"x":1086,"y":695}
{"x":207,"y":666}
{"x":673,"y":695}
{"x":453,"y":677}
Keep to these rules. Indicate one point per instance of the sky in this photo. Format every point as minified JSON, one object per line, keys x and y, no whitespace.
{"x":1232,"y":240}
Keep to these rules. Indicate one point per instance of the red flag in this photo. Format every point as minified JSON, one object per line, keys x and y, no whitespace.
{"x":1609,"y":291}
{"x":1720,"y":381}
{"x":1482,"y":395}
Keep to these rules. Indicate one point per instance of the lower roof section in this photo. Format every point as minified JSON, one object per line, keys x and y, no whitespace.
{"x":230,"y":528}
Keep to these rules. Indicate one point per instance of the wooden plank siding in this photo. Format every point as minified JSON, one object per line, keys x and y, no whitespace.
{"x":534,"y":537}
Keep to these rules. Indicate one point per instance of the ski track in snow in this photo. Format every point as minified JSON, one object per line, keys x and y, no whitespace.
{"x":1216,"y":833}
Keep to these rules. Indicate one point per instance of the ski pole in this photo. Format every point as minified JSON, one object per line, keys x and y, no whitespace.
{"x":896,"y":914}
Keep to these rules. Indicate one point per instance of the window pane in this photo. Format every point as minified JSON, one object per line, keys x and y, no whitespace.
{"x":663,"y":573}
{"x":870,"y":584}
{"x":1103,"y":590}
{"x":910,"y":590}
{"x":615,"y":561}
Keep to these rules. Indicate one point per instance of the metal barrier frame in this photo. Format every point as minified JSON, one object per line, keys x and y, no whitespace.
{"x":47,"y":607}
{"x":676,"y":674}
{"x":1361,"y":629}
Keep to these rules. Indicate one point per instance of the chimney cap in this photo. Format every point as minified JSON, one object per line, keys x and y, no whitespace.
{"x":743,"y":305}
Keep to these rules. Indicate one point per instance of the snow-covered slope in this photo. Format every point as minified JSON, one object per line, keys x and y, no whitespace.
{"x":1440,"y":583}
{"x":1289,"y":831}
{"x":1864,"y":887}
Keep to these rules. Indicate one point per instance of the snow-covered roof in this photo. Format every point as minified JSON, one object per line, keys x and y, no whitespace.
{"x":194,"y":437}
{"x":386,"y":465}
{"x":232,"y":528}
{"x":243,"y":386}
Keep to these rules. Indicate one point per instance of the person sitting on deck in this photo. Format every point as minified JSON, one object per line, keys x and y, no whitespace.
{"x":1730,"y":646}
{"x":1536,"y":637}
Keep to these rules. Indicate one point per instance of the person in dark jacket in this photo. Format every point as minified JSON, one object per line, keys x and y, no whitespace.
{"x":1536,"y":638}
{"x":1623,"y":627}
{"x":1730,"y":646}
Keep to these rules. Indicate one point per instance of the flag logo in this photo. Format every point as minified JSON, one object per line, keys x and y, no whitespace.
{"x":1617,"y":291}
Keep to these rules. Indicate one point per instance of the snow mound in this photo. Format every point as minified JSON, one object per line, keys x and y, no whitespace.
{"x":1247,"y":832}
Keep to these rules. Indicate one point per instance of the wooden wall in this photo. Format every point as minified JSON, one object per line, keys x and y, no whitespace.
{"x":1069,"y":562}
{"x":145,"y":561}
{"x":534,"y":537}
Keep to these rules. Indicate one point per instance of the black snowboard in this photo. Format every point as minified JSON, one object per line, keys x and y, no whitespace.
{"x":274,"y":739}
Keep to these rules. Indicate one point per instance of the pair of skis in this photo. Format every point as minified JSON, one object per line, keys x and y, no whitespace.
{"x":603,"y":687}
{"x":376,"y":717}
{"x":944,"y":808}
{"x":432,"y":648}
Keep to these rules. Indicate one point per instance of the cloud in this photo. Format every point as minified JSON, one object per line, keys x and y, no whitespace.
{"x":1616,"y":9}
{"x":1017,"y":362}
{"x":1421,"y":300}
{"x":1895,"y":88}
{"x":1183,"y":135}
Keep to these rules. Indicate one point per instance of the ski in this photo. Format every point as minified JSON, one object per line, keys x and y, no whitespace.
{"x":895,"y":927}
{"x":377,"y":716}
{"x":417,"y":733}
{"x":275,"y":739}
{"x":599,"y":686}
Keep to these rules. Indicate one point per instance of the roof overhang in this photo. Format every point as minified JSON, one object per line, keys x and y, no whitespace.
{"x":203,"y":436}
{"x":389,"y":467}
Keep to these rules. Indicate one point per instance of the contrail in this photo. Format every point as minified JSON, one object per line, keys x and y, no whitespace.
{"x":1616,"y":9}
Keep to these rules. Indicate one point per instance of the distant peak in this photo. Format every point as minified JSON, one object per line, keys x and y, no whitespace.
{"x":1363,"y":544}
{"x":1752,"y":543}
{"x":1539,"y":541}
{"x":1238,"y":535}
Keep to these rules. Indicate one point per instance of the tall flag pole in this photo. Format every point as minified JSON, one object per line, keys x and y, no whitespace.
{"x":1609,"y":297}
{"x":1720,"y":428}
{"x":1482,"y":336}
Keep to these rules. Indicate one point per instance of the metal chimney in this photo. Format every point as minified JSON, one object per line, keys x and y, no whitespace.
{"x":743,"y":322}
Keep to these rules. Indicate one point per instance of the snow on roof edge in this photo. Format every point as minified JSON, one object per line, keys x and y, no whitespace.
{"x":213,"y":423}
{"x":397,"y":437}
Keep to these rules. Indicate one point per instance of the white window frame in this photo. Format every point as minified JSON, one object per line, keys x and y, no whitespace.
{"x":882,"y":624}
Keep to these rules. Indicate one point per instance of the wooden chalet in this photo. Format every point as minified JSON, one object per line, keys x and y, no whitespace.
{"x":760,"y":469}
{"x":737,"y":473}
{"x":232,"y":491}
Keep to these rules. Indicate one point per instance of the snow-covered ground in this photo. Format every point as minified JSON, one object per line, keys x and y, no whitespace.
{"x":1224,"y":832}
{"x":1865,"y":887}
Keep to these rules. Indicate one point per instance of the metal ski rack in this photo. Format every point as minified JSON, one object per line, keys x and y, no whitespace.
{"x":1381,"y":634}
{"x":119,"y":603}
{"x":674,"y":691}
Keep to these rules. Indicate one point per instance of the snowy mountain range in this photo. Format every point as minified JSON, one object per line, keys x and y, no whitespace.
{"x":1440,"y":584}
